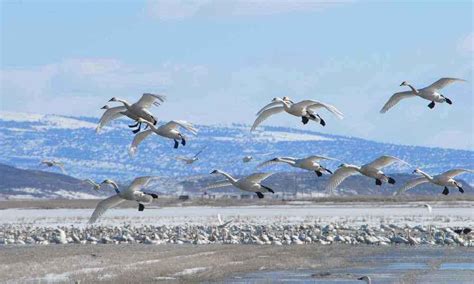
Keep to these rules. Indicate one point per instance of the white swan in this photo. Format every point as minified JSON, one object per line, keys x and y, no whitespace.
{"x":132,"y":193}
{"x":366,"y":279}
{"x":168,"y":130}
{"x":309,"y":163}
{"x":251,"y":183}
{"x":445,"y":179}
{"x":247,"y":159}
{"x":94,"y":185}
{"x":191,"y":160}
{"x":372,"y":169}
{"x":53,"y":163}
{"x":430,"y":93}
{"x":133,"y":111}
{"x":304,"y":109}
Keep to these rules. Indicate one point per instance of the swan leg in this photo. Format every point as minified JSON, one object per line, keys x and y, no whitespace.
{"x":378,"y":182}
{"x":141,"y":207}
{"x":318,"y":173}
{"x":176,"y":144}
{"x":391,"y":180}
{"x":431,"y":105}
{"x":304,"y":119}
{"x":321,"y":121}
{"x":448,"y":101}
{"x":138,"y":129}
{"x":460,"y":189}
{"x":259,"y":194}
{"x":154,"y":121}
{"x":183,"y":141}
{"x":446,"y":190}
{"x":134,"y":125}
{"x":267,"y":188}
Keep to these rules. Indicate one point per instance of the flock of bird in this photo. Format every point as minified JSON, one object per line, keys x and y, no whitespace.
{"x":306,"y":110}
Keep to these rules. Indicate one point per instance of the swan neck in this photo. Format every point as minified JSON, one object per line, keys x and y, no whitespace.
{"x":425,"y":175}
{"x":124,"y":102}
{"x":229,"y":177}
{"x":413,"y":88}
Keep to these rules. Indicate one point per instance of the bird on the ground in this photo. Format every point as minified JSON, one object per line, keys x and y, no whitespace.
{"x":53,"y":163}
{"x":445,"y":179}
{"x":251,"y":183}
{"x":168,"y":130}
{"x":428,"y":207}
{"x":133,"y":111}
{"x":133,"y":193}
{"x":304,"y":109}
{"x":372,"y":170}
{"x":191,"y":160}
{"x":430,"y":93}
{"x":309,"y":163}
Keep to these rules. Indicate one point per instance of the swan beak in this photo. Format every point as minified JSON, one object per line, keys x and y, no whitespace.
{"x":403,"y":83}
{"x":214,"y":172}
{"x":112,"y":100}
{"x":105,"y":107}
{"x":414,"y":172}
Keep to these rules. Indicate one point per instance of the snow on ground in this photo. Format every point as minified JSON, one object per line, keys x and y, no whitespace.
{"x":413,"y":214}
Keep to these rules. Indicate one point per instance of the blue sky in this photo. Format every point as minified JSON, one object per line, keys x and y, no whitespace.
{"x":220,"y":61}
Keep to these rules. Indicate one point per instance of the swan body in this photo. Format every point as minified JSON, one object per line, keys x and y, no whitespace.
{"x":309,"y":163}
{"x":372,"y":170}
{"x":132,"y":193}
{"x":169,"y":130}
{"x":430,"y":93}
{"x":132,"y":111}
{"x":251,"y":183}
{"x":53,"y":163}
{"x":304,"y":109}
{"x":445,"y":179}
{"x":191,"y":160}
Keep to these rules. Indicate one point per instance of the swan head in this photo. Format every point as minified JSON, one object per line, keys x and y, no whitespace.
{"x":105,"y":107}
{"x":343,"y":165}
{"x":287,"y":99}
{"x":114,"y":99}
{"x":365,"y":278}
{"x":110,"y":182}
{"x":215,"y":172}
{"x":404,"y":83}
{"x":278,"y":100}
{"x":416,"y":171}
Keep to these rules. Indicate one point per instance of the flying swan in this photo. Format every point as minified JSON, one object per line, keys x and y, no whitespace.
{"x":309,"y":163}
{"x":133,"y":111}
{"x":191,"y":160}
{"x":251,"y":183}
{"x":132,"y":193}
{"x":445,"y":179}
{"x":304,"y":109}
{"x":168,"y":130}
{"x":430,"y":93}
{"x":372,"y":169}
{"x":53,"y":163}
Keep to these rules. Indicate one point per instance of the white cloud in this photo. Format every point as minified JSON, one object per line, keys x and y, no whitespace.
{"x":182,"y":9}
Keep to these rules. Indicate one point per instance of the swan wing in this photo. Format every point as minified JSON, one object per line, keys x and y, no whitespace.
{"x":309,"y":104}
{"x":339,"y":176}
{"x":137,"y":140}
{"x":316,"y":158}
{"x":218,"y":185}
{"x":109,"y":115}
{"x":411,"y":184}
{"x":443,"y":82}
{"x":395,"y":98}
{"x":268,"y":163}
{"x":384,"y":161}
{"x":140,"y":182}
{"x":104,"y":205}
{"x":455,"y":172}
{"x":272,"y":104}
{"x":174,"y":124}
{"x":257,"y":177}
{"x":266,"y":114}
{"x":147,"y":100}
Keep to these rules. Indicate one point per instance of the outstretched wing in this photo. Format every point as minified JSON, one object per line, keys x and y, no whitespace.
{"x":310,"y":104}
{"x":339,"y":176}
{"x":140,"y":182}
{"x":266,"y":114}
{"x":148,"y":99}
{"x":60,"y":166}
{"x":395,"y":98}
{"x":137,"y":140}
{"x":316,"y":158}
{"x":174,"y":124}
{"x":217,"y":185}
{"x":272,"y":104}
{"x":109,"y":115}
{"x":104,"y":205}
{"x":455,"y":172}
{"x":384,"y":161}
{"x":273,"y":161}
{"x":257,"y":177}
{"x":411,"y":184}
{"x":443,"y":82}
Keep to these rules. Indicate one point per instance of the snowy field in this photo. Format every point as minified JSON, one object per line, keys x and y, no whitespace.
{"x":443,"y":215}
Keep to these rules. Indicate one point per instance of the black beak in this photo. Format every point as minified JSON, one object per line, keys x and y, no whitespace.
{"x":111,"y":100}
{"x":104,"y":107}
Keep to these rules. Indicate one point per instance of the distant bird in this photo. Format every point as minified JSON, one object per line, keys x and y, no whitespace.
{"x":428,"y":207}
{"x":310,"y":163}
{"x":366,"y":279}
{"x":168,"y":130}
{"x":132,"y":193}
{"x":247,"y":159}
{"x":191,"y":160}
{"x":372,"y":169}
{"x":94,"y":185}
{"x":223,"y":224}
{"x":133,"y":111}
{"x":53,"y":163}
{"x":304,"y":109}
{"x":463,"y":231}
{"x":445,"y":179}
{"x":430,"y":93}
{"x":251,"y":183}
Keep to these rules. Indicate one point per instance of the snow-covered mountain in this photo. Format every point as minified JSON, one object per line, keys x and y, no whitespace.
{"x":26,"y":139}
